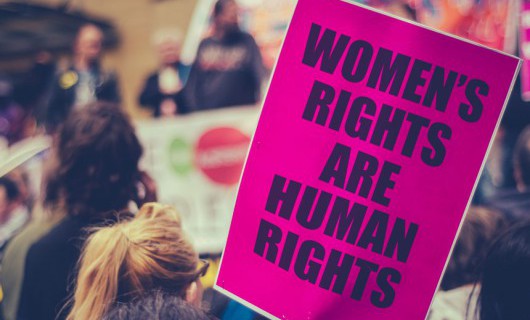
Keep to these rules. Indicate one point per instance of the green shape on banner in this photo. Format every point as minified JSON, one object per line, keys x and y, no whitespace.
{"x":180,"y":156}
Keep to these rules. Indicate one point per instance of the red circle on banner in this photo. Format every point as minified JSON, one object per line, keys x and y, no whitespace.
{"x":220,"y":154}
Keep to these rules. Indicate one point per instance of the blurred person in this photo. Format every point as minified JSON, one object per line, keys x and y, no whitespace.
{"x":505,"y":281}
{"x":481,"y":226}
{"x":157,"y":305}
{"x":126,"y":260}
{"x":12,"y":115}
{"x":33,"y":90}
{"x":515,"y":202}
{"x":20,"y":176}
{"x":228,"y":69}
{"x":13,"y":213}
{"x":162,"y":92}
{"x":41,"y":222}
{"x":84,"y":82}
{"x":14,"y":258}
{"x":93,"y":174}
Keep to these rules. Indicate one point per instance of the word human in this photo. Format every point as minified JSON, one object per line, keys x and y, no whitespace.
{"x":343,"y":220}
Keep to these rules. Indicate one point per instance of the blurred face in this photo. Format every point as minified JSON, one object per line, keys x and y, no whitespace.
{"x":228,"y":18}
{"x":169,"y":52}
{"x":89,"y":41}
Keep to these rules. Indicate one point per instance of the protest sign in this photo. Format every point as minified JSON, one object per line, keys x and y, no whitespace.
{"x":196,"y":162}
{"x":368,"y":148}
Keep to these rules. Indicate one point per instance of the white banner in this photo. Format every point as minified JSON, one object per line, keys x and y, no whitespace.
{"x":196,"y":161}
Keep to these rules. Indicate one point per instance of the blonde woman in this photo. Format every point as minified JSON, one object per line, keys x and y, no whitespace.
{"x":129,"y":259}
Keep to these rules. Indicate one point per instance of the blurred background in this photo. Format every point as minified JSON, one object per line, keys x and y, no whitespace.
{"x":30,"y":28}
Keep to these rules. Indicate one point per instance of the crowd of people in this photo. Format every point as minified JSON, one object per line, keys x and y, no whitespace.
{"x":53,"y":265}
{"x":228,"y":71}
{"x":99,"y":246}
{"x":92,"y":254}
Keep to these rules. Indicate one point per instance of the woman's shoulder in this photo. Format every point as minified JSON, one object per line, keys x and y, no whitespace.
{"x":62,"y":239}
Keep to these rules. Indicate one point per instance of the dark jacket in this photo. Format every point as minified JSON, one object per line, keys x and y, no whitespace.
{"x":63,"y":94}
{"x":50,"y":270}
{"x":226,"y":72}
{"x":151,"y":97}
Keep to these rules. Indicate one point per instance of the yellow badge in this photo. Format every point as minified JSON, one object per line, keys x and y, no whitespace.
{"x":68,"y":79}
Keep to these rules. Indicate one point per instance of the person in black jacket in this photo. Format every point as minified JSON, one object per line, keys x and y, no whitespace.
{"x":84,"y":82}
{"x":162,"y":92}
{"x":95,"y":175}
{"x":228,"y":69}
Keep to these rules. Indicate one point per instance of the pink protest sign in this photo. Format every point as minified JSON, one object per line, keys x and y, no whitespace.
{"x":368,"y":148}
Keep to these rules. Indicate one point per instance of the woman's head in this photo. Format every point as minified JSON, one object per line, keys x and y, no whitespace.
{"x":131,"y":258}
{"x":505,"y":283}
{"x":96,"y":165}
